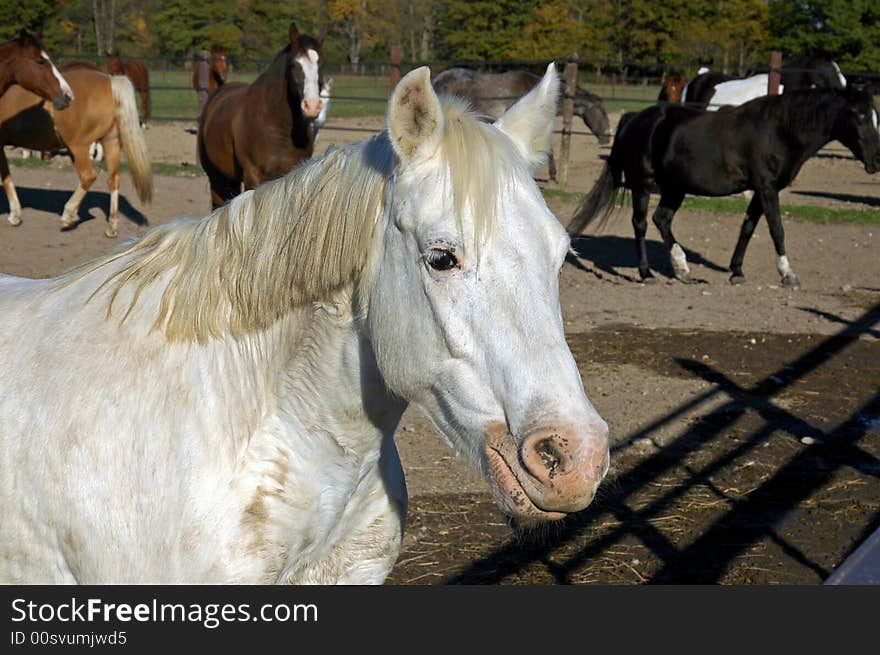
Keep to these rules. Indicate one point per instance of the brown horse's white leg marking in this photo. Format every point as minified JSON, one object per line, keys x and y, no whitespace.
{"x":14,"y":204}
{"x":87,"y":175}
{"x":71,"y":207}
{"x":111,"y":154}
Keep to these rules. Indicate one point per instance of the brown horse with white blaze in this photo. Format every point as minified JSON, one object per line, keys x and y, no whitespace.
{"x":24,"y":61}
{"x":105,"y":110}
{"x":252,"y":133}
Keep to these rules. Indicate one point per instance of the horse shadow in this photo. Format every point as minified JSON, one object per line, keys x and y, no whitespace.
{"x":53,"y":201}
{"x":608,"y":253}
{"x":872,"y":201}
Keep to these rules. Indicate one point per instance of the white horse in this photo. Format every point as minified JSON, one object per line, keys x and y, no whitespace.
{"x":217,"y":402}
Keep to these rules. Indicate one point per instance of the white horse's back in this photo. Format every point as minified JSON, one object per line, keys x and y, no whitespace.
{"x":737,"y":92}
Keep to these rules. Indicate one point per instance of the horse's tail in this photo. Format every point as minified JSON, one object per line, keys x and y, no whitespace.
{"x":132,"y":136}
{"x":600,"y":198}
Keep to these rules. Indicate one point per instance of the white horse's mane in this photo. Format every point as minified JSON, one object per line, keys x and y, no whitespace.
{"x":298,"y":239}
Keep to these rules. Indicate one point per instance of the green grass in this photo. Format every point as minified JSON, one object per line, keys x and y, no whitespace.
{"x":173,"y":98}
{"x":737,"y":206}
{"x":568,"y":196}
{"x":811,"y":213}
{"x":630,"y":97}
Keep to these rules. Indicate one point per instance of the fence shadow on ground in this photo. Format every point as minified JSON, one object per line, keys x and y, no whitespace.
{"x":750,"y":518}
{"x":53,"y":200}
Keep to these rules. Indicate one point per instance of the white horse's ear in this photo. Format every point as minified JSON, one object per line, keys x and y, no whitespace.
{"x":529,"y":122}
{"x":415,"y":118}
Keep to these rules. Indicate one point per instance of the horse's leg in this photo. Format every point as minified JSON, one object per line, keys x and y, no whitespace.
{"x":753,"y":215}
{"x":551,"y":165}
{"x":770,"y":200}
{"x":87,"y":175}
{"x":222,"y":190}
{"x":111,"y":154}
{"x":11,"y":195}
{"x":640,"y":199}
{"x":670,"y":201}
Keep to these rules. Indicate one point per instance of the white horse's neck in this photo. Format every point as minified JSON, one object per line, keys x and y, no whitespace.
{"x":299,"y":419}
{"x":319,"y":442}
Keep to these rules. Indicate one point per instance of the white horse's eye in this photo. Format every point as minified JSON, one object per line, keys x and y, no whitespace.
{"x":441,"y":259}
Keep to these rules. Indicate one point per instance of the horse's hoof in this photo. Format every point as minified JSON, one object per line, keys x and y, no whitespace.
{"x":110,"y":234}
{"x":649,"y":279}
{"x":67,"y":225}
{"x":685,"y":278}
{"x":791,"y":281}
{"x":737,"y":279}
{"x":14,"y":220}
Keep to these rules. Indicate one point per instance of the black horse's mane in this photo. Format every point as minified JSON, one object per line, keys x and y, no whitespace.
{"x":804,"y":109}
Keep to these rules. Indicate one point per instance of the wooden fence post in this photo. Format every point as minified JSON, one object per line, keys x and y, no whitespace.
{"x":396,"y":58}
{"x":571,"y":71}
{"x":775,"y":77}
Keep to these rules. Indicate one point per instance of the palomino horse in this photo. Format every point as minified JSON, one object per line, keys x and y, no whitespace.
{"x":761,"y":145}
{"x":672,"y":88}
{"x":24,"y":61}
{"x":247,"y":370}
{"x":492,"y":93}
{"x":218,"y":69}
{"x":251,"y":133}
{"x":105,"y":110}
{"x":811,"y":70}
{"x":138,"y":74}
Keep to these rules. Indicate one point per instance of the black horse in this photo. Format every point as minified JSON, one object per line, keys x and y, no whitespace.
{"x":674,"y":150}
{"x":811,"y":70}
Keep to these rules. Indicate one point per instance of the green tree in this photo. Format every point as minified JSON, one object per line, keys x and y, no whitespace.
{"x":32,"y":15}
{"x":848,"y":29}
{"x":483,"y":30}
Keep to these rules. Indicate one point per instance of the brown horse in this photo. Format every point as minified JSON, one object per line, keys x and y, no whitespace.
{"x":672,"y":88}
{"x":218,"y":69}
{"x":137,"y":73}
{"x":251,"y":133}
{"x":105,"y":110}
{"x":24,"y":61}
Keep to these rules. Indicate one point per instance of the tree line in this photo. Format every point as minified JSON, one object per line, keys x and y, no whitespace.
{"x":732,"y":35}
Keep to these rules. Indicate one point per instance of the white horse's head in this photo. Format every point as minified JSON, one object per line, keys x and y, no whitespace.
{"x":464,"y":312}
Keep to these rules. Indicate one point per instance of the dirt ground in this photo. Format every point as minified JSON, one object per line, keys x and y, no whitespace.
{"x":745,"y":420}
